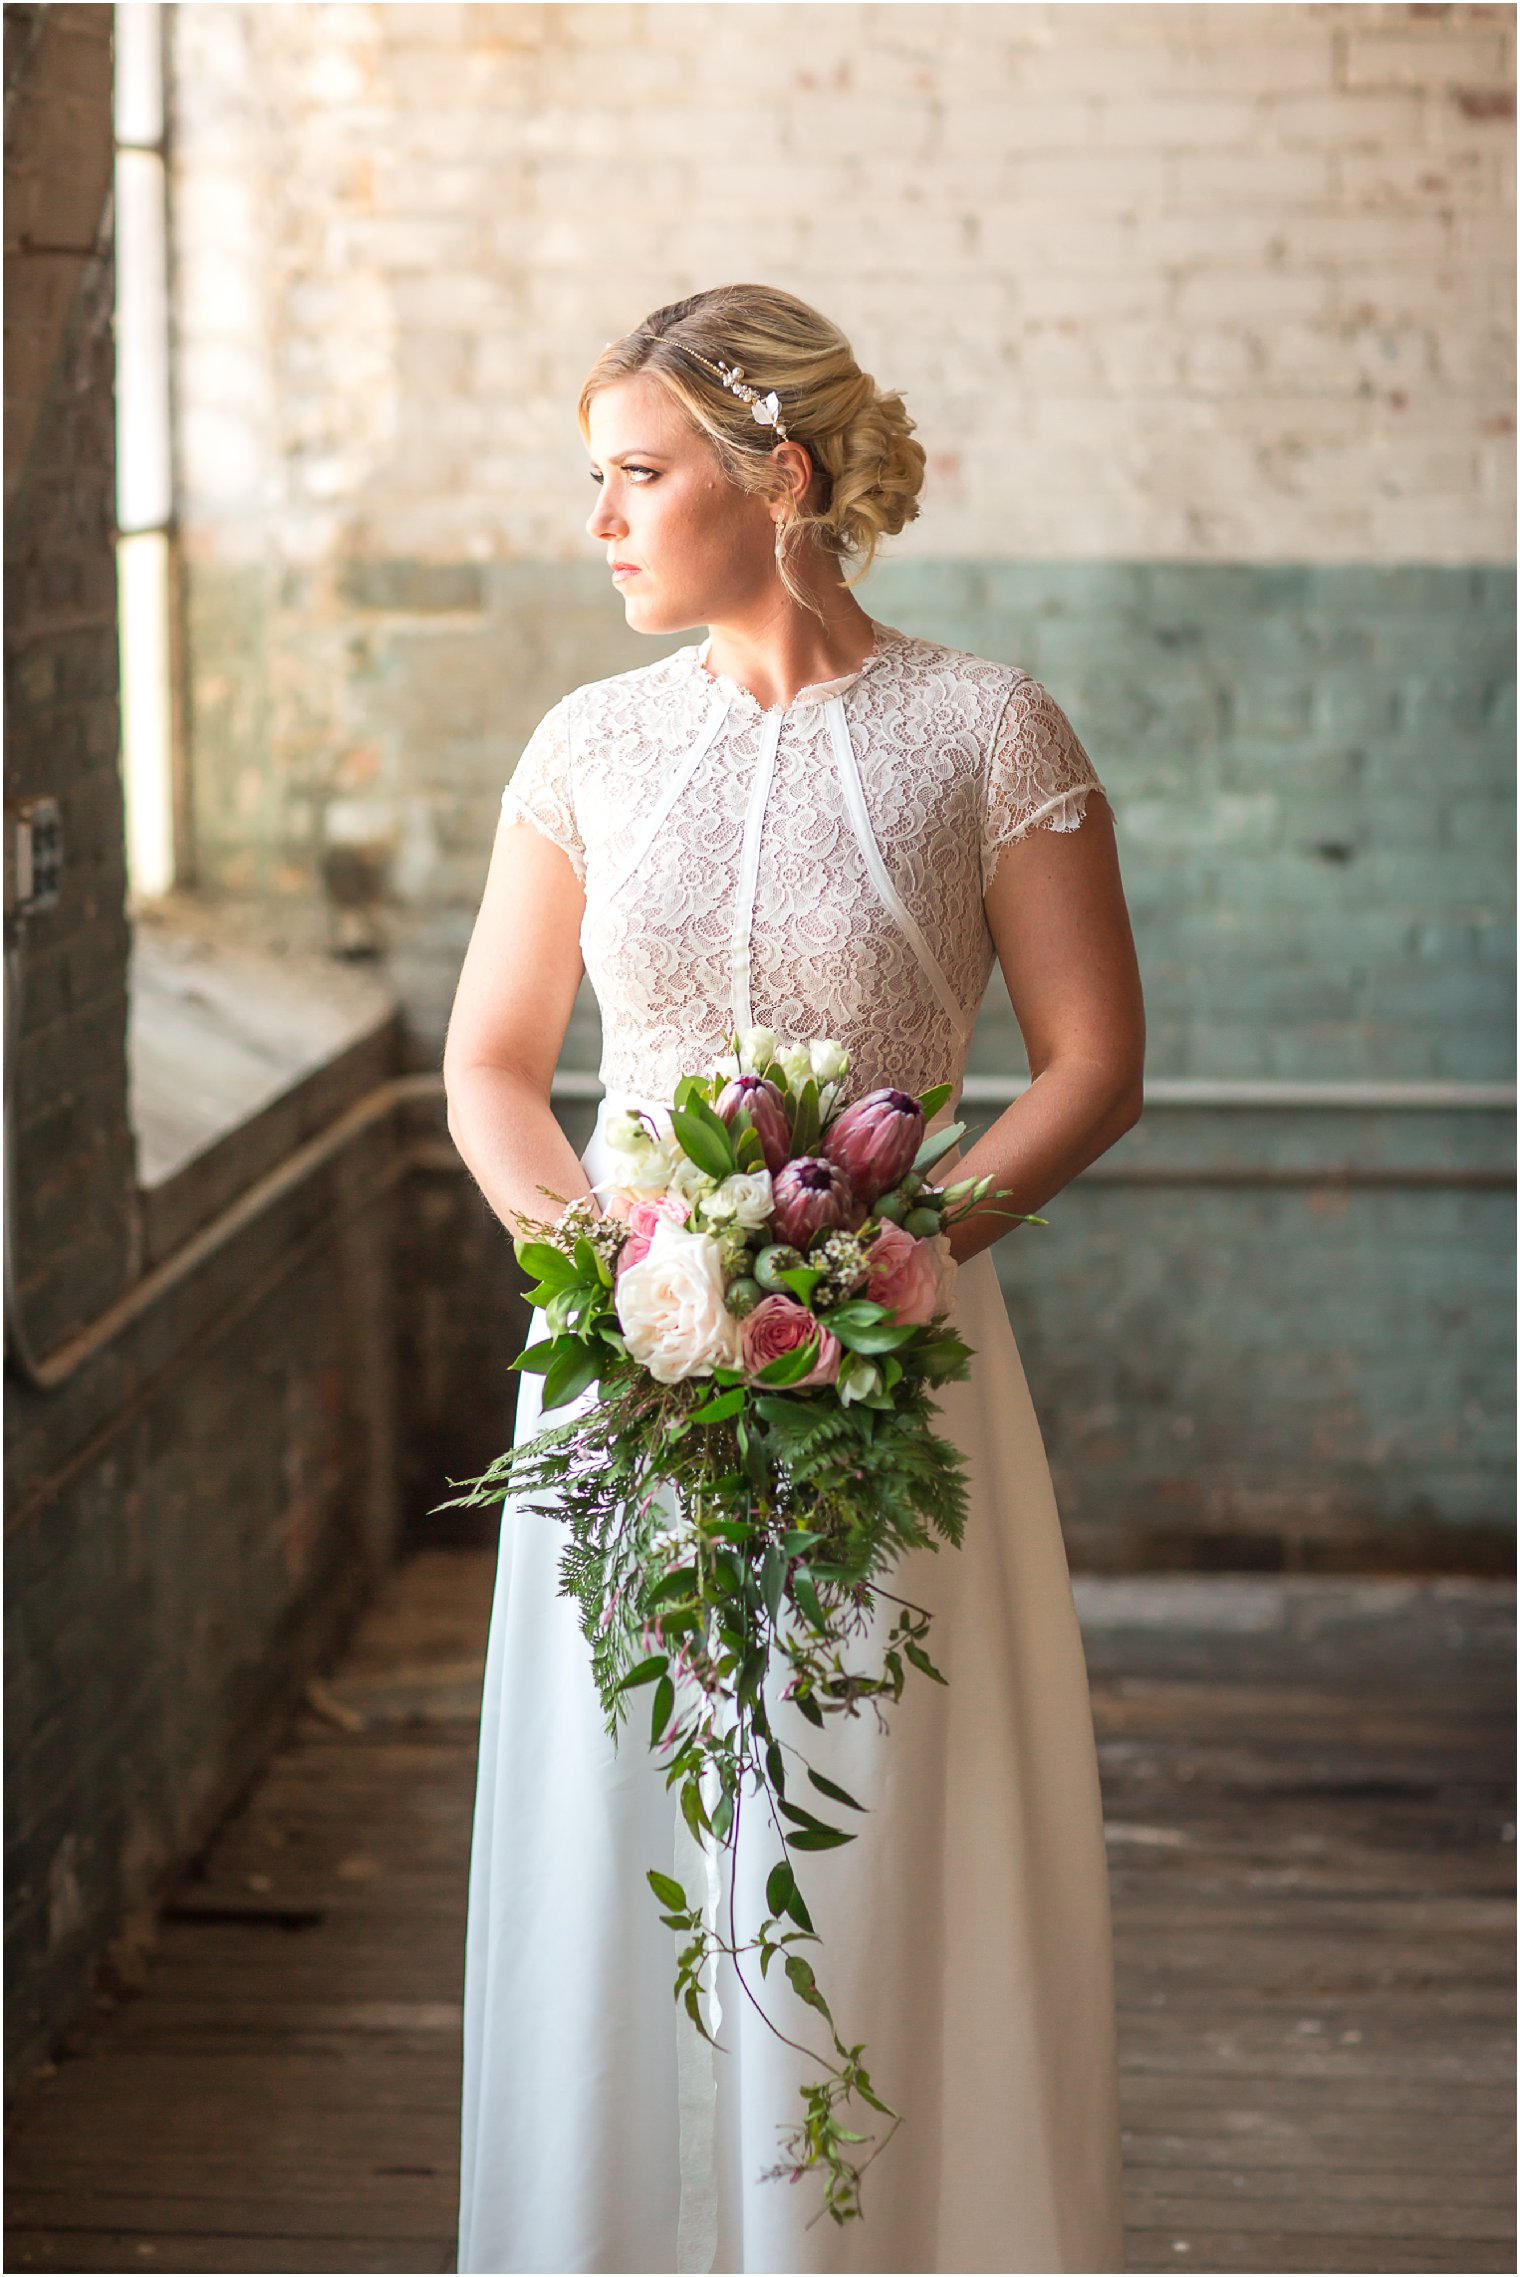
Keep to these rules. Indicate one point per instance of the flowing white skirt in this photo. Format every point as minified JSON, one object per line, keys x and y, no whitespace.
{"x":964,"y":1934}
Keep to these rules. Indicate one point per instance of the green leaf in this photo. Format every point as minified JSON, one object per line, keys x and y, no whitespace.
{"x":569,"y":1375}
{"x":775,"y":1768}
{"x":670,"y":1893}
{"x":818,"y":1838}
{"x":807,"y":1706}
{"x":536,"y":1359}
{"x":837,"y":1794}
{"x":644,"y":1673}
{"x":545,"y":1262}
{"x":660,"y":1714}
{"x":941,"y":1143}
{"x":693,"y":2010}
{"x":920,"y":1659}
{"x":805,"y":1127}
{"x":799,"y":1539}
{"x":856,"y":1312}
{"x":805,"y":1985}
{"x":773,"y":1581}
{"x":799,"y":1912}
{"x":752,"y":1675}
{"x":676,"y":1583}
{"x":807,"y":1596}
{"x":878,"y":1336}
{"x":717,"y":1410}
{"x":787,"y":1367}
{"x":802,"y":1280}
{"x":806,"y":1820}
{"x":934,"y":1098}
{"x":693,"y":1810}
{"x":704,"y":1136}
{"x":780,"y":1883}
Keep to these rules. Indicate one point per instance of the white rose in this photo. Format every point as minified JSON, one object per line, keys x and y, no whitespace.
{"x":691,"y":1182}
{"x":757,"y":1048}
{"x":670,"y":1307}
{"x":743,"y":1198}
{"x":796,"y":1065}
{"x":643,"y":1174}
{"x":828,"y":1060}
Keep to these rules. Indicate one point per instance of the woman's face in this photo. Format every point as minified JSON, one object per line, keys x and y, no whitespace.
{"x":684,"y":545}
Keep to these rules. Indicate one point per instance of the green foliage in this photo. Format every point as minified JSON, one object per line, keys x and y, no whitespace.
{"x":723,"y":1542}
{"x":726,"y":1542}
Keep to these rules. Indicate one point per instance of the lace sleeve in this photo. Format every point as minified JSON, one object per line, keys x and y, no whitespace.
{"x":1038,"y":775}
{"x":542,"y":790}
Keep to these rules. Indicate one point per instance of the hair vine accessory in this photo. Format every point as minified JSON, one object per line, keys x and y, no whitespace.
{"x":765,"y":409}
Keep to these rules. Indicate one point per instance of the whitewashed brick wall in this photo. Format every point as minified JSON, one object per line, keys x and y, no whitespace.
{"x":1187,"y":282}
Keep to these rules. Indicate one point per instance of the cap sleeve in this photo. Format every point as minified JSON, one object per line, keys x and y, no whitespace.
{"x":542,"y":788}
{"x":1038,"y":774}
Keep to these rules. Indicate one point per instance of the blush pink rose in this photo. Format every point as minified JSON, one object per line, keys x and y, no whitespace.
{"x":642,"y":1218}
{"x":779,"y":1324}
{"x":904,"y":1274}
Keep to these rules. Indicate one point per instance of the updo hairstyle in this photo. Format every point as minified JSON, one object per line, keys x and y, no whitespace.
{"x":869,"y":470}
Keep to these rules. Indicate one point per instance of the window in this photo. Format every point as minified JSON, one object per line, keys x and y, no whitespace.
{"x":144,"y":475}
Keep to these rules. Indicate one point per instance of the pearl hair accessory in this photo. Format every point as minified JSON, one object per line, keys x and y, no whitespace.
{"x":765,"y":409}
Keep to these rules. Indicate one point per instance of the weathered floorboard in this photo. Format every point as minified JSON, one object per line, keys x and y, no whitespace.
{"x":1311,"y":1842}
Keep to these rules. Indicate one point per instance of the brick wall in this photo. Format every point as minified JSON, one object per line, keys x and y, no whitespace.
{"x":1163,"y":282}
{"x":73,"y":1219}
{"x":1206,"y":314}
{"x":195,"y":1510}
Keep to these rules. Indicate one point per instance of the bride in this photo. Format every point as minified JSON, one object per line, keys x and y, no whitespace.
{"x":815,"y":823}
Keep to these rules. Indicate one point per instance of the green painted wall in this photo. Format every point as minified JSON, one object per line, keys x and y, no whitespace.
{"x":1312,"y":769}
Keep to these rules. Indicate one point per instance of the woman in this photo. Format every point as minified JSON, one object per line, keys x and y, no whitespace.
{"x":821,"y":825}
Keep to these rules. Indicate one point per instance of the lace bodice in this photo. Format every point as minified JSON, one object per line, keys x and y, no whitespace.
{"x":818,"y":869}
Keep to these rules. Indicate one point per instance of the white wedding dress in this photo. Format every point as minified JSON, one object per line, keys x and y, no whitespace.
{"x":818,"y":870}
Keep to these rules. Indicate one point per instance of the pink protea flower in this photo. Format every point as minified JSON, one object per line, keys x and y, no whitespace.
{"x":875,"y":1140}
{"x":904,"y":1274}
{"x":812,"y":1195}
{"x":767,"y":1112}
{"x":779,"y":1324}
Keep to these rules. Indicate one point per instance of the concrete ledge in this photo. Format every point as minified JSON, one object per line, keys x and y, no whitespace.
{"x":241,"y":1044}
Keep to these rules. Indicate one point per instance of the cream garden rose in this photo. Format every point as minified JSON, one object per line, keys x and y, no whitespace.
{"x":742,"y":1199}
{"x":670,"y":1307}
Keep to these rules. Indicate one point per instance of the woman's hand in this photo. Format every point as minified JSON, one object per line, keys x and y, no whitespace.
{"x":516,"y":991}
{"x":1057,"y":915}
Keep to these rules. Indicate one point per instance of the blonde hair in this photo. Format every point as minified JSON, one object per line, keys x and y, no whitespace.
{"x":868,"y":469}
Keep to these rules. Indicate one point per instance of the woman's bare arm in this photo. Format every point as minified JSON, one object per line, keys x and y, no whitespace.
{"x":516,"y":991}
{"x":1057,"y":915}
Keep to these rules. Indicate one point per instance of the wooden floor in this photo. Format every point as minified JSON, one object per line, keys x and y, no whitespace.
{"x":1312,"y":1847}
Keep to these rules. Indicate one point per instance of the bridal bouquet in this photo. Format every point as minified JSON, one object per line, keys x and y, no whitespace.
{"x":764,"y":1305}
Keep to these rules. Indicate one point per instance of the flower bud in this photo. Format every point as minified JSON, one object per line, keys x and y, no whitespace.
{"x":874,"y":1140}
{"x":767,"y":1111}
{"x":757,"y":1048}
{"x":828,"y":1060}
{"x":776,"y":1258}
{"x":813,"y":1195}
